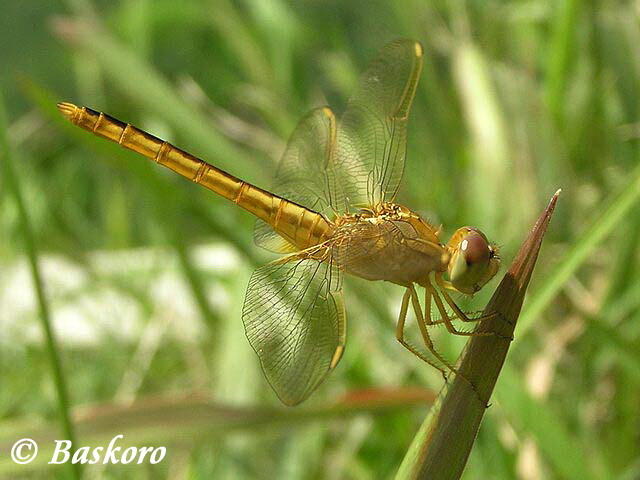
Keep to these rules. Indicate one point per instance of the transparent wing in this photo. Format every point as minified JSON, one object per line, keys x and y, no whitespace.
{"x":372,"y":133}
{"x":302,"y":175}
{"x":294,"y":318}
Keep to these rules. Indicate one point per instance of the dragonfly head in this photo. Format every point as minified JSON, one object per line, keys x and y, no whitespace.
{"x":474,"y":261}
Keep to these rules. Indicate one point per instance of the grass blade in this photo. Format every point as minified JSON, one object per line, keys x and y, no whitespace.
{"x":13,"y":185}
{"x":560,"y":54}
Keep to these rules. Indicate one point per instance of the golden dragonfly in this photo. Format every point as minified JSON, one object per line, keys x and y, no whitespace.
{"x":332,"y":210}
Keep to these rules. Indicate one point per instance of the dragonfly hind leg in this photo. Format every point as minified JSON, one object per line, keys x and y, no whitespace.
{"x":410,"y":295}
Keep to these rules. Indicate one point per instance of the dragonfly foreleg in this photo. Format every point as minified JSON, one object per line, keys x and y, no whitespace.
{"x":458,"y":312}
{"x":430,"y":321}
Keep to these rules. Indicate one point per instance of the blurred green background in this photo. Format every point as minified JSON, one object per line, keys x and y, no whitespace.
{"x":144,"y":273}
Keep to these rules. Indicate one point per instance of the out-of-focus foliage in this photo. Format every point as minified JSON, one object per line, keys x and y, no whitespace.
{"x":145,"y":272}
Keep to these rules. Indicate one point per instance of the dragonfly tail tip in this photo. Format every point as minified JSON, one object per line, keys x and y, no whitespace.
{"x":67,"y":109}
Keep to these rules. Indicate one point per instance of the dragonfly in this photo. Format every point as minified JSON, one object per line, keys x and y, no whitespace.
{"x":332,"y":211}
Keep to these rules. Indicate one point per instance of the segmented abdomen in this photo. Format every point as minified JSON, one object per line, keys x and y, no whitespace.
{"x":299,"y":225}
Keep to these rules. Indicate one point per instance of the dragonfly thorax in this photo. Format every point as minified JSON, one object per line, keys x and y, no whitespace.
{"x":388,"y":242}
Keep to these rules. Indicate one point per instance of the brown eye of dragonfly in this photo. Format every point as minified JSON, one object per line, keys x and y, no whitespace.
{"x":475,"y":248}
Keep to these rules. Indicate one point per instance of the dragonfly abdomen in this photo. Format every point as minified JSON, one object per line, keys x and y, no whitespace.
{"x":298,"y":224}
{"x":302,"y":227}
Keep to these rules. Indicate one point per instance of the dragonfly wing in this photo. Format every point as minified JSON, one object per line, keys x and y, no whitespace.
{"x":294,"y":318}
{"x":267,"y":238}
{"x":372,"y":132}
{"x":302,"y":175}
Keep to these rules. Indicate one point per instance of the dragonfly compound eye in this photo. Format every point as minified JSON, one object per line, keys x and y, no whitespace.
{"x":473,"y":260}
{"x":475,"y":248}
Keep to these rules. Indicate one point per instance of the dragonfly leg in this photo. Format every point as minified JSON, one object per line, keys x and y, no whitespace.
{"x":426,"y":320}
{"x":430,"y":322}
{"x":446,"y":285}
{"x":401,"y":338}
{"x":427,"y":309}
{"x":422,"y":324}
{"x":459,"y":313}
